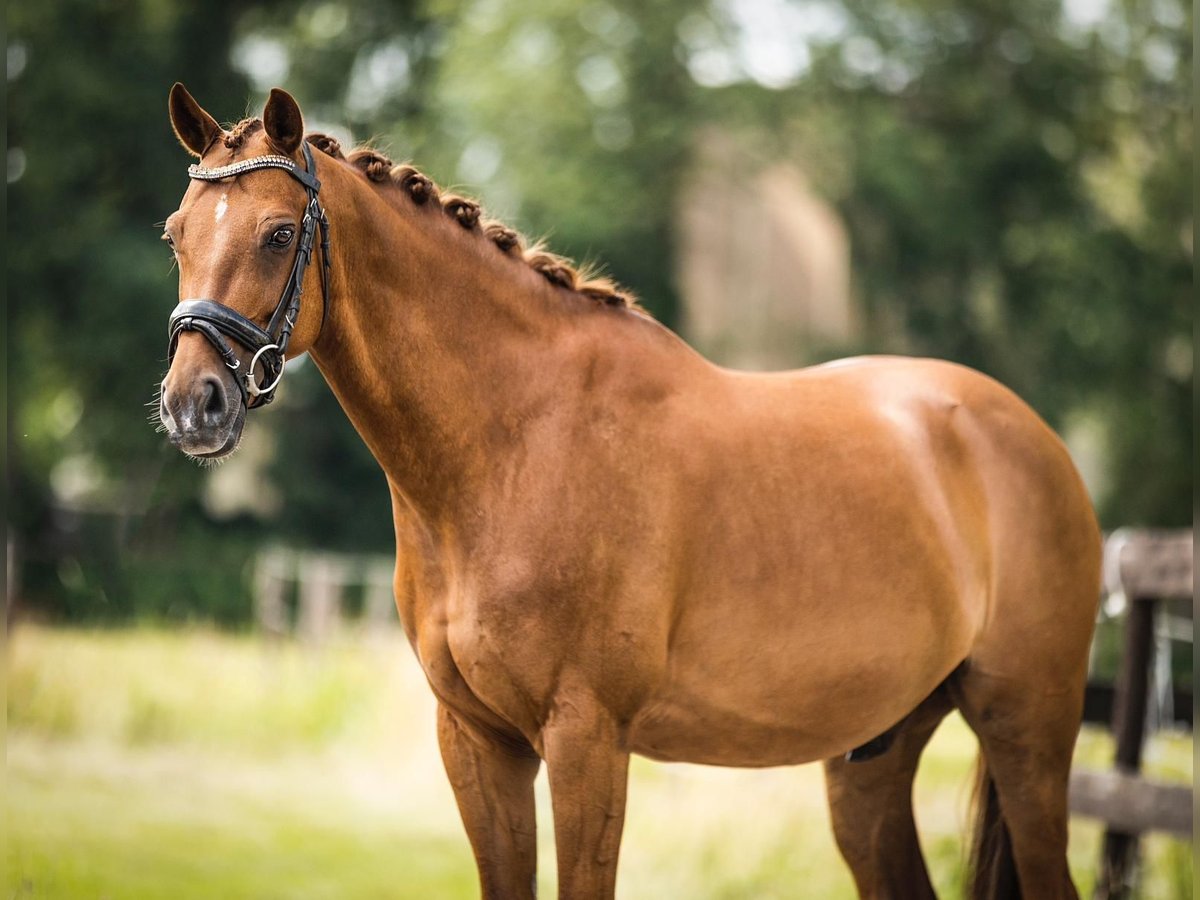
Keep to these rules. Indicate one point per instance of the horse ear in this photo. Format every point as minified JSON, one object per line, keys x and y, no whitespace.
{"x":193,"y":126}
{"x":283,"y":122}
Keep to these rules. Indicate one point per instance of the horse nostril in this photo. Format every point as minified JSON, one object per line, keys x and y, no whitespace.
{"x":213,"y":400}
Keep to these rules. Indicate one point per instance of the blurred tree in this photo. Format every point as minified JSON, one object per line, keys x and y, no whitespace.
{"x":91,"y":165}
{"x":579,"y":131}
{"x":1019,"y":201}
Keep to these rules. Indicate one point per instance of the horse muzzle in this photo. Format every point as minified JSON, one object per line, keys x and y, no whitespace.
{"x":203,"y":416}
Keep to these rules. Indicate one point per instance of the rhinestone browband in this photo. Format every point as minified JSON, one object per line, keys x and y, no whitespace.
{"x":237,"y":168}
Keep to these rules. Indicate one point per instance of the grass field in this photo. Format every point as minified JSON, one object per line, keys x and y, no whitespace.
{"x":188,"y":764}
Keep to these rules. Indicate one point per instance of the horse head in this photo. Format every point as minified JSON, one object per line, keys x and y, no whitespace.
{"x":243,"y":238}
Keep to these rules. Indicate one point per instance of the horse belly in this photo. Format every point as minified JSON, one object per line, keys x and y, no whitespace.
{"x":813,"y":663}
{"x":795,"y":709}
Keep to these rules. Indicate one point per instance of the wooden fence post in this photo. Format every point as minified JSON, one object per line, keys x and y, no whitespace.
{"x":270,"y":582}
{"x":1147,"y":568}
{"x":320,"y":599}
{"x":1129,"y":725}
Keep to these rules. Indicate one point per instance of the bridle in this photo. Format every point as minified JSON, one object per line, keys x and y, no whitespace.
{"x":216,"y":321}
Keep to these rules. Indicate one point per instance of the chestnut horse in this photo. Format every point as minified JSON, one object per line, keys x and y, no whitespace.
{"x":607,"y":545}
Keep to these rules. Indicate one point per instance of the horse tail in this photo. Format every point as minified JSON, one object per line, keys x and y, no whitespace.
{"x":993,"y":870}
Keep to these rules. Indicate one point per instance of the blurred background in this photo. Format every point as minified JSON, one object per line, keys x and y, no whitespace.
{"x":207,"y":691}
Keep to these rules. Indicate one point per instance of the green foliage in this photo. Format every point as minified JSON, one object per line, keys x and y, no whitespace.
{"x":1016,"y":185}
{"x":88,"y":283}
{"x":1019,"y":202}
{"x":580,"y":130}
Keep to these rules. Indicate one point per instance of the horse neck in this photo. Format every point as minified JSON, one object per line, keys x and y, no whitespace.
{"x":434,"y":345}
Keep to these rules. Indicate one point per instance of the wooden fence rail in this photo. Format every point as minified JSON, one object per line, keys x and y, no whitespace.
{"x":1131,"y":804}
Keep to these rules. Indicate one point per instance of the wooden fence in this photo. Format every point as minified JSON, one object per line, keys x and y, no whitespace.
{"x":1143,"y":570}
{"x":304,"y":594}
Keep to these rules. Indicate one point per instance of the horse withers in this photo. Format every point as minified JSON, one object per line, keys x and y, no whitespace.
{"x":607,"y":545}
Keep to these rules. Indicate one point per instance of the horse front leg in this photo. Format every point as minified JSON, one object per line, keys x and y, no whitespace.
{"x":588,"y":772}
{"x":493,"y":784}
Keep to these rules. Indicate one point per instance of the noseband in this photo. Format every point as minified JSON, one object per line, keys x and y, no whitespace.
{"x":216,"y":321}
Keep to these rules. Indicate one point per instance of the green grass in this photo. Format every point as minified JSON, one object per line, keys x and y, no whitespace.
{"x":148,"y":764}
{"x":87,"y":824}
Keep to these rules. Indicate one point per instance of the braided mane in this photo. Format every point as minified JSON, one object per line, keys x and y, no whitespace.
{"x":558,"y":270}
{"x":237,"y":135}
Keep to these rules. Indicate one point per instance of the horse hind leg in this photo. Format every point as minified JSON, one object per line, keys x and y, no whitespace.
{"x":1027,"y":733}
{"x":870,"y":802}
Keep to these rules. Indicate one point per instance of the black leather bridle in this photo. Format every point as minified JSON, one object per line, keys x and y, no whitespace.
{"x":216,"y":321}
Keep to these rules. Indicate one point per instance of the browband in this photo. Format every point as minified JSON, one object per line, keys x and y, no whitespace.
{"x":220,"y":173}
{"x":216,"y":321}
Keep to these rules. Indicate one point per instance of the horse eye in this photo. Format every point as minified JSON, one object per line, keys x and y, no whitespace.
{"x":170,"y":240}
{"x":283,"y":236}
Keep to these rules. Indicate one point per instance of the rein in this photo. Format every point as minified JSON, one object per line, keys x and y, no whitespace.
{"x":216,"y":321}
